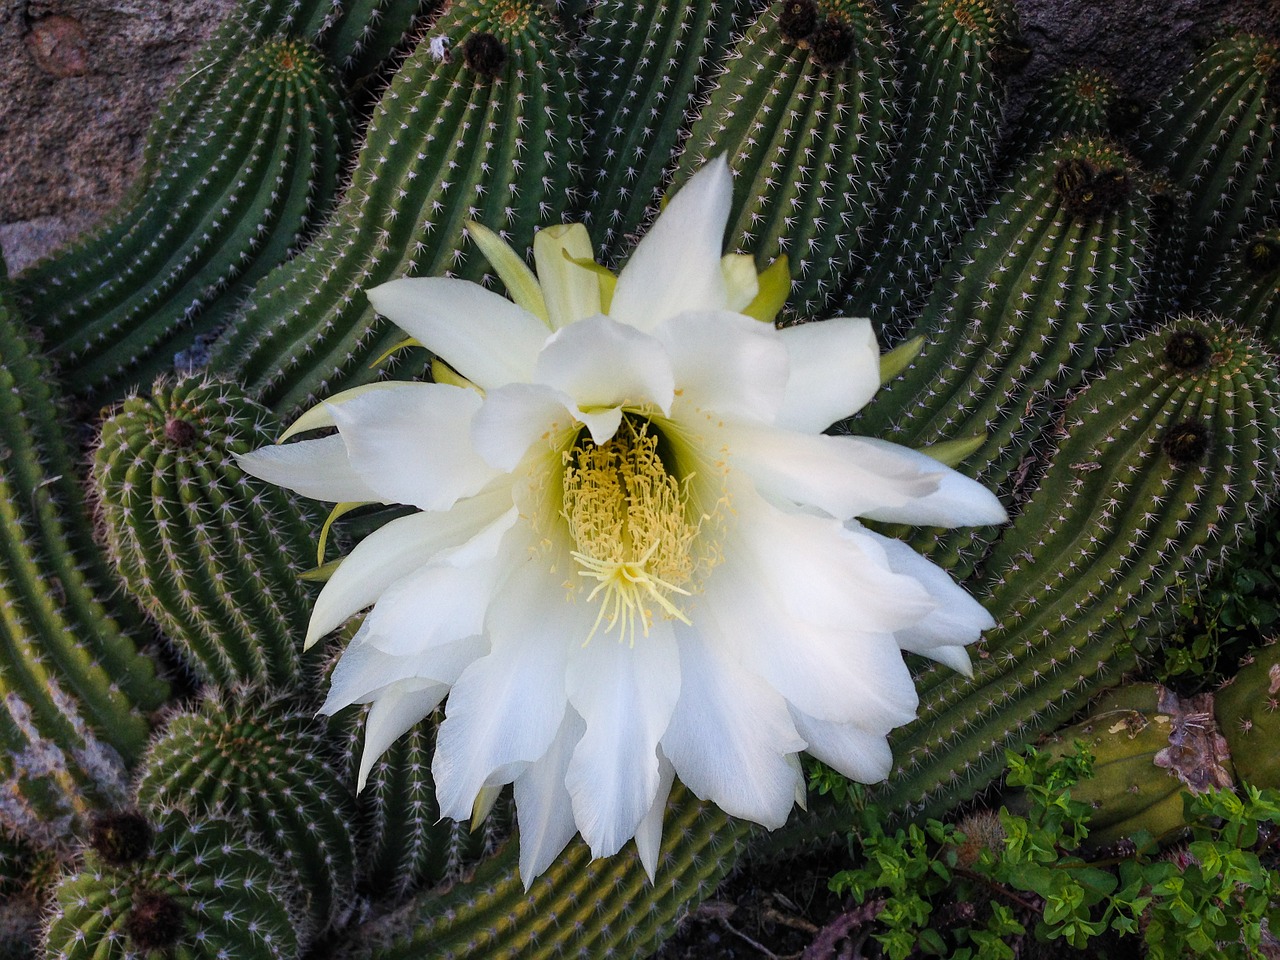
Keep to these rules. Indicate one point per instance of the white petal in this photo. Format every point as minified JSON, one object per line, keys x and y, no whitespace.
{"x":318,"y":469}
{"x":730,"y":734}
{"x":321,"y":415}
{"x":860,"y":754}
{"x":602,"y":364}
{"x":543,"y":808}
{"x":413,"y":445}
{"x":676,"y":265}
{"x":572,"y":291}
{"x":515,"y":417}
{"x":727,"y":363}
{"x":626,"y":695}
{"x":958,"y":501}
{"x":957,"y":620}
{"x":741,"y":279}
{"x":485,"y":337}
{"x":649,"y":833}
{"x":392,"y":715}
{"x":364,"y":672}
{"x":506,"y":708}
{"x":395,"y":550}
{"x":835,"y":370}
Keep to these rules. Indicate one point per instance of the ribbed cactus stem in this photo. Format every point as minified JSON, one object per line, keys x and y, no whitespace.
{"x":1051,"y":271}
{"x":1246,"y":286}
{"x":953,"y":97}
{"x":257,"y":167}
{"x":807,"y":122}
{"x":579,"y":907}
{"x":1248,"y":713}
{"x":214,"y":556}
{"x":263,"y":760}
{"x":454,"y":138}
{"x":1167,"y":456}
{"x":1079,"y":101}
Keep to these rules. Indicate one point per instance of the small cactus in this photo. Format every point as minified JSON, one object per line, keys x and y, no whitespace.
{"x":1246,"y":287}
{"x":214,"y":556}
{"x":1248,"y":711}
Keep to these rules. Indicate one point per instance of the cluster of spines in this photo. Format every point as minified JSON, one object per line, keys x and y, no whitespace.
{"x":1080,"y":101}
{"x":172,"y":886}
{"x":1246,"y":287}
{"x":808,"y":129}
{"x":1167,"y":456}
{"x":402,"y":841}
{"x":580,"y":907}
{"x":482,"y":127}
{"x":256,"y":168}
{"x":1051,"y":271}
{"x":1217,"y":135}
{"x":214,"y":556}
{"x":259,"y":758}
{"x":75,"y":688}
{"x":951,"y":55}
{"x":642,"y":64}
{"x":361,"y":36}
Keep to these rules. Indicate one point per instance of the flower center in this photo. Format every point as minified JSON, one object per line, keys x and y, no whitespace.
{"x":629,"y":519}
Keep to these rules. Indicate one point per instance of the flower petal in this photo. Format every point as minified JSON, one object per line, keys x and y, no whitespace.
{"x":730,"y":734}
{"x":413,"y":445}
{"x":364,"y":671}
{"x":727,"y":363}
{"x":626,"y":695}
{"x":649,"y":833}
{"x":958,"y":501}
{"x":392,"y":715}
{"x":543,"y":808}
{"x":319,"y":469}
{"x":515,"y":417}
{"x":741,"y":280}
{"x":676,"y":266}
{"x":958,"y":619}
{"x":572,"y":291}
{"x":835,"y":370}
{"x":860,"y":754}
{"x":485,"y":337}
{"x":395,"y":550}
{"x":604,"y":365}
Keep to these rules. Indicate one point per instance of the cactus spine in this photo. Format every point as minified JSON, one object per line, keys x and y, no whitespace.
{"x":784,"y":110}
{"x":214,"y":556}
{"x":257,"y":166}
{"x":1246,"y":287}
{"x":487,"y":133}
{"x":1080,"y":102}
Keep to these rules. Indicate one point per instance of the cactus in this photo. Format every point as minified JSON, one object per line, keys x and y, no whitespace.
{"x":214,"y":556}
{"x":788,"y":102}
{"x":1217,"y":135}
{"x":265,"y":761}
{"x":1079,"y":101}
{"x":951,"y":52}
{"x":76,"y":689}
{"x":1248,"y":713}
{"x":635,"y":88}
{"x":181,"y":888}
{"x":486,"y":133}
{"x":1246,"y":287}
{"x":258,"y":164}
{"x":1068,"y":241}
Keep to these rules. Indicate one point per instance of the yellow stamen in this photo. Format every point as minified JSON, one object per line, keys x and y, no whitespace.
{"x":629,"y":520}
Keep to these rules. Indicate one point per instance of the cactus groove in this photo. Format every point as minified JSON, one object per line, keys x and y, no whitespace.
{"x":214,"y":556}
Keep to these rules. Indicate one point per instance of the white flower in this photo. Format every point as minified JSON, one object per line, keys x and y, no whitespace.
{"x":637,"y":555}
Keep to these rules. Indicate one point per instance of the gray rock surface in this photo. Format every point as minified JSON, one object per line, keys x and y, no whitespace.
{"x":83,"y":77}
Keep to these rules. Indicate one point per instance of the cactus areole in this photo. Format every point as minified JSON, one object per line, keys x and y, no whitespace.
{"x":637,"y":555}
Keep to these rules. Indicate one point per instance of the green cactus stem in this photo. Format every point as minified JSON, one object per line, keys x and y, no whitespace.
{"x":807,"y":122}
{"x":263,"y":760}
{"x":642,"y":64}
{"x":259,"y":164}
{"x":361,"y":36}
{"x":579,"y":907}
{"x":1248,"y":712}
{"x":954,"y":101}
{"x":190,"y":890}
{"x":1149,"y":747}
{"x":1049,"y":274}
{"x":463,"y":137}
{"x":1166,"y":456}
{"x":213,"y":556}
{"x":68,"y":659}
{"x":1080,"y":102}
{"x":1217,"y":134}
{"x":1246,"y":287}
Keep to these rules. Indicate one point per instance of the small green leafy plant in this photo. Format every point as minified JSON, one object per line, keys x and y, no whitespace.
{"x":978,"y":889}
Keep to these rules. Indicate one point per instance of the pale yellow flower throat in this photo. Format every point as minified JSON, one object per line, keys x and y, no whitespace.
{"x":629,"y":521}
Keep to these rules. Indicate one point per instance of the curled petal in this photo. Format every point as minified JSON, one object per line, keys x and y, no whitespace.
{"x":319,"y":469}
{"x":392,"y":715}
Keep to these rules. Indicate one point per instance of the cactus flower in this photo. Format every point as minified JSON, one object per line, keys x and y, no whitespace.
{"x":636,"y":554}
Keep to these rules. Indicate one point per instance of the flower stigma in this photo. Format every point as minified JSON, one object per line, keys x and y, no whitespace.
{"x":629,"y":520}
